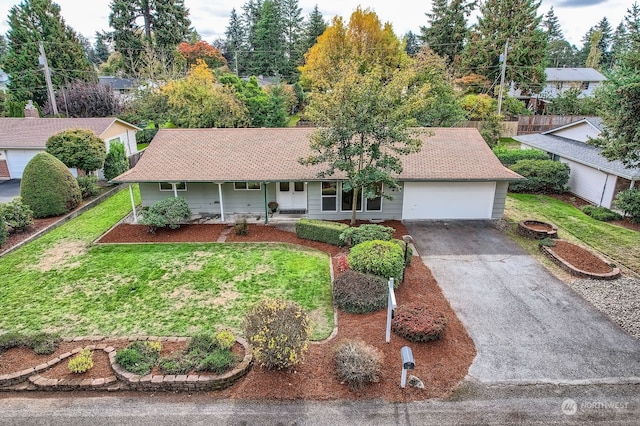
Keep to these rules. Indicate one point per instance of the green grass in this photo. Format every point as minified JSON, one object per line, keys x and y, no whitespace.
{"x":618,"y":243}
{"x":142,"y":146}
{"x":62,"y":283}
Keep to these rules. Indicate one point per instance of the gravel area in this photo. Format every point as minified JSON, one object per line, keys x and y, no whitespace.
{"x":618,"y":299}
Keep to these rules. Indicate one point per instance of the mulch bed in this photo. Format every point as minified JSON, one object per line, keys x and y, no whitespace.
{"x":580,"y":258}
{"x":441,"y":364}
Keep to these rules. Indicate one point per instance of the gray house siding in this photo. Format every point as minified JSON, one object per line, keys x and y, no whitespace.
{"x":391,"y":209}
{"x":499,"y":200}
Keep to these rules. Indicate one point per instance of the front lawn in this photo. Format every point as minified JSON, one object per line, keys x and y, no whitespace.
{"x":62,"y":283}
{"x":618,"y":243}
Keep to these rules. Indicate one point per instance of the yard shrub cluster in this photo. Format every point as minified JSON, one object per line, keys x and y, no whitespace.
{"x":16,"y":215}
{"x":353,"y":236}
{"x":41,"y":343}
{"x":88,"y":186}
{"x":204,"y":353}
{"x":320,"y":230}
{"x":417,"y":322}
{"x":359,"y":293}
{"x":403,"y":247}
{"x":116,"y":162}
{"x":241,"y":227}
{"x":79,"y":148}
{"x":542,"y":176}
{"x":4,"y":234}
{"x":139,"y":357}
{"x":278,"y":331}
{"x":508,"y":157}
{"x":629,"y":202}
{"x":357,"y":363}
{"x":600,"y":213}
{"x":381,"y":258}
{"x":171,"y":212}
{"x":82,"y":362}
{"x":48,"y":187}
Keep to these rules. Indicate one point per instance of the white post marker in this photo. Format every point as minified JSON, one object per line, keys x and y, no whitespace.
{"x":391,"y":305}
{"x":408,"y":363}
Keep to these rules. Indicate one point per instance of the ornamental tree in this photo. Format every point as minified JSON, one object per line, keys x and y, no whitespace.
{"x":79,"y":148}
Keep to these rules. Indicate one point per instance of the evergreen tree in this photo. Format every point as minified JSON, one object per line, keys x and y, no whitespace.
{"x":411,"y":44}
{"x":234,"y":43}
{"x":447,"y":30}
{"x":559,"y":52}
{"x":146,"y":31}
{"x":595,"y":54}
{"x":551,"y":26}
{"x":313,"y":28}
{"x":292,"y":22}
{"x":100,"y":48}
{"x":4,"y":48}
{"x":31,"y":22}
{"x":632,"y":32}
{"x":250,"y":18}
{"x":269,"y":43}
{"x":518,"y":22}
{"x":603,"y":45}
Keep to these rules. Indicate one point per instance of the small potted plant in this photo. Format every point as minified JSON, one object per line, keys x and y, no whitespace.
{"x":273,"y":206}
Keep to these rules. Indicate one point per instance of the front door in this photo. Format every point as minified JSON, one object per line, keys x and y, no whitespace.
{"x":292,"y":195}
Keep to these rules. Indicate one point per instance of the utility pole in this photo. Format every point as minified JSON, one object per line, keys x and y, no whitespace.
{"x":503,"y":71}
{"x":47,"y":77}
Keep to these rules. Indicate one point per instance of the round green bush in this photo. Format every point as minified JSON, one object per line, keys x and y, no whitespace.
{"x":4,"y":234}
{"x":629,"y":202}
{"x":138,"y":358}
{"x":357,"y":363}
{"x":79,"y":148}
{"x":48,"y":187}
{"x":542,"y":176}
{"x":359,"y":293}
{"x":600,"y":213}
{"x":116,"y":162}
{"x":16,"y":214}
{"x":278,"y":331}
{"x":382,"y":258}
{"x":368,"y":232}
{"x":170,"y":212}
{"x":416,"y":322}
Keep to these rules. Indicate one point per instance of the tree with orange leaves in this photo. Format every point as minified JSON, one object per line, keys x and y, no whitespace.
{"x":200,"y":49}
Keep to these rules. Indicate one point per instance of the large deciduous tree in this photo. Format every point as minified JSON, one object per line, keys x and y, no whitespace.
{"x":146,"y":32}
{"x":82,"y":99}
{"x":517,"y":21}
{"x":200,"y":49}
{"x":447,"y":30}
{"x":32,"y":22}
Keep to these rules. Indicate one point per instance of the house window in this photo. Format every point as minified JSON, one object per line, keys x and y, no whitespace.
{"x":298,"y":186}
{"x":247,"y":186}
{"x":585,"y":85}
{"x":375,"y":204}
{"x":347,"y":201}
{"x":329,"y":196}
{"x":284,"y":186}
{"x":168,"y":186}
{"x":559,"y":85}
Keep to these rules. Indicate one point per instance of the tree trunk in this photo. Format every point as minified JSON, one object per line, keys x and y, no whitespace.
{"x":354,"y":205}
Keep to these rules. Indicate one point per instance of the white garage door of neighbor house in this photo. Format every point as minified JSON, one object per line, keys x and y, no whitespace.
{"x":448,"y":200}
{"x":17,"y":160}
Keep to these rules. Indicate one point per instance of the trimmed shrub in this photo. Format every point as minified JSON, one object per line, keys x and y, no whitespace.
{"x":137,"y":358}
{"x":629,"y":202}
{"x":542,"y":176}
{"x":48,"y":187}
{"x":320,"y":230}
{"x":170,"y":212}
{"x":16,"y":214}
{"x":382,"y":258}
{"x":547,"y":242}
{"x":600,"y":213}
{"x":353,"y":236}
{"x":359,"y":293}
{"x":225,"y":339}
{"x":218,"y":361}
{"x":241,"y":227}
{"x":204,"y":353}
{"x":88,"y":186}
{"x":403,"y":247}
{"x":176,"y":363}
{"x":508,"y":157}
{"x":13,"y":340}
{"x":42,"y":343}
{"x":82,"y":362}
{"x":278,"y":331}
{"x":79,"y":148}
{"x":116,"y":162}
{"x":357,"y":363}
{"x":4,"y":234}
{"x":418,"y":323}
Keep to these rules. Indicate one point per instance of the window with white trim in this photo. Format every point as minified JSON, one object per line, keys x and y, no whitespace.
{"x":347,"y":200}
{"x":169,"y":186}
{"x":375,"y":204}
{"x":247,"y":186}
{"x":329,"y":196}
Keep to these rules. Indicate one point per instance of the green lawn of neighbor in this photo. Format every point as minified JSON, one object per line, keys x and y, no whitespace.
{"x":63,"y":283}
{"x":618,"y":243}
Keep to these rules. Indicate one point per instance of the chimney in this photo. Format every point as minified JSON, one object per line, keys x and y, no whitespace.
{"x":30,"y":111}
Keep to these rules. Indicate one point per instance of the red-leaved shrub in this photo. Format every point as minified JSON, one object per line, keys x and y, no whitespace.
{"x":416,"y":322}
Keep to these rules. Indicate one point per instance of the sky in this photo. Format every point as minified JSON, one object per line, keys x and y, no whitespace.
{"x":210,"y":18}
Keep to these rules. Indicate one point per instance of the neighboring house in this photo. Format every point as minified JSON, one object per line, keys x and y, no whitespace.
{"x":4,"y":80}
{"x":121,"y":86}
{"x":22,"y":138}
{"x":559,"y":80}
{"x":592,"y":177}
{"x":238,"y":171}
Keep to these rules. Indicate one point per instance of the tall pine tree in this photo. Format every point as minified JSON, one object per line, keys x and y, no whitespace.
{"x":292,"y":22}
{"x":32,"y":22}
{"x":269,"y":43}
{"x":447,"y":30}
{"x":313,"y":28}
{"x":559,"y":52}
{"x":517,"y":21}
{"x":234,"y":43}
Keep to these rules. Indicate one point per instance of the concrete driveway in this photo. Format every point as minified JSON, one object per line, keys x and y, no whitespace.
{"x":9,"y":189}
{"x":528,"y":326}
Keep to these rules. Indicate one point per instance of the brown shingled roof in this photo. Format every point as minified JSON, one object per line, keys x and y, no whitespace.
{"x":219,"y":155}
{"x":34,"y":132}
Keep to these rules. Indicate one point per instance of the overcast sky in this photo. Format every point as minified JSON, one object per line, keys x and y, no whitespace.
{"x":210,"y":18}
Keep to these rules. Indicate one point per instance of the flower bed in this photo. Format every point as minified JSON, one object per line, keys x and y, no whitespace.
{"x":579,"y":261}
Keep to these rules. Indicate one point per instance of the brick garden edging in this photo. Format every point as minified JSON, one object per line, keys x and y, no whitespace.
{"x":555,"y":258}
{"x":30,"y":379}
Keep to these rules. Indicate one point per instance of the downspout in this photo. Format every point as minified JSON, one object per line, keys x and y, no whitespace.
{"x":266,"y":211}
{"x":604,"y":189}
{"x":133,"y":205}
{"x":221,"y":203}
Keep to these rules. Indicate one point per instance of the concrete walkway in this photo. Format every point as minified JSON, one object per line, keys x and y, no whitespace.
{"x":528,"y":327}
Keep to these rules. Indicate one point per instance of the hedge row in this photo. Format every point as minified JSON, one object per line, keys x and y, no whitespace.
{"x":319,"y":230}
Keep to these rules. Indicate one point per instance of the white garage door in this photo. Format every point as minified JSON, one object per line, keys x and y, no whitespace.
{"x":448,"y":200}
{"x":17,"y":160}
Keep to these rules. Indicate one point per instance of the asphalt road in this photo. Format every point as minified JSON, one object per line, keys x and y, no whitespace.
{"x":9,"y":189}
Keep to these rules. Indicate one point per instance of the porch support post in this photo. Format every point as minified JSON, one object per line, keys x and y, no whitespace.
{"x":266,"y":211}
{"x":175,"y":190}
{"x":221,"y":203}
{"x":632,"y":184}
{"x":133,"y":205}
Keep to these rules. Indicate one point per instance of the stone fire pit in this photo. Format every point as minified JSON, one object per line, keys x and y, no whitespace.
{"x":537,"y":230}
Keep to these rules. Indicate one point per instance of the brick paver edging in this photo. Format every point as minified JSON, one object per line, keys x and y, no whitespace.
{"x":555,"y":258}
{"x":122,"y":377}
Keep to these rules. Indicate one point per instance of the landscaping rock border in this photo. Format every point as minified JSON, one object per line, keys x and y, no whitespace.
{"x":30,"y":379}
{"x":555,"y":258}
{"x":526,"y":231}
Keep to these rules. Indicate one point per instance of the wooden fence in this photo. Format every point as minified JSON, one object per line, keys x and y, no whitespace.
{"x":528,"y":124}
